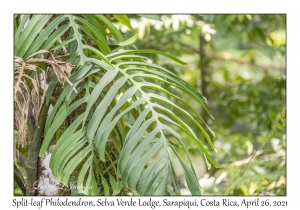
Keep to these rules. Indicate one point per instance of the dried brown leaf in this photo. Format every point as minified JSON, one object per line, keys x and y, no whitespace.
{"x":61,"y":69}
{"x":24,"y":95}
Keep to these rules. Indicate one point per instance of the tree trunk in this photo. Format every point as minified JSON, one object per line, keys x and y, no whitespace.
{"x":204,"y":63}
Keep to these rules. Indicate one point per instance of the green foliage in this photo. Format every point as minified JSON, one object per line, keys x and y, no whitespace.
{"x":110,"y":128}
{"x":246,"y":93}
{"x":137,"y":123}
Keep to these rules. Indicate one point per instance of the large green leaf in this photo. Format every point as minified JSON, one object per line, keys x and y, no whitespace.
{"x":100,"y":145}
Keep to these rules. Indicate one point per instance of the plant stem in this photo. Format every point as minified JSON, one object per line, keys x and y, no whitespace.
{"x":33,"y":151}
{"x":18,"y":177}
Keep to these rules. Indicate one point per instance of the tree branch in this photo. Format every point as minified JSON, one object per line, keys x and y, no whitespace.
{"x":230,"y":58}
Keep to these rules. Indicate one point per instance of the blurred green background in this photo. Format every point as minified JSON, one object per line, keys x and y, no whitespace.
{"x":238,"y":63}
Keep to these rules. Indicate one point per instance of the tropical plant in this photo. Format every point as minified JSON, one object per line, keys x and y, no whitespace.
{"x":242,"y":74}
{"x":115,"y":124}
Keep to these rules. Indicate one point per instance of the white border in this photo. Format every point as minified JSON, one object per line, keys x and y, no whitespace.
{"x":154,"y":6}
